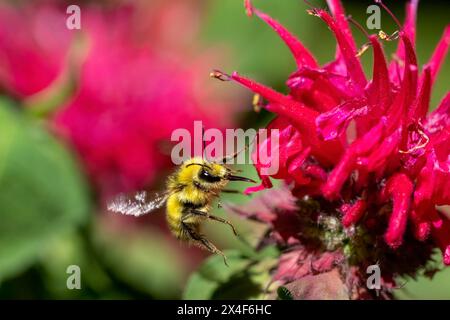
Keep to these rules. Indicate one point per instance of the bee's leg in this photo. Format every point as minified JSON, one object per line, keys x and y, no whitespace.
{"x":203,"y":242}
{"x":219,"y":219}
{"x":210,"y":216}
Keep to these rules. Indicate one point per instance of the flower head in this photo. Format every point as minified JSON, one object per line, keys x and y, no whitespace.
{"x":366,"y":153}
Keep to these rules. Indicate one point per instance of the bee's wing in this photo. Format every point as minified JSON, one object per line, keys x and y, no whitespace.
{"x":137,"y":204}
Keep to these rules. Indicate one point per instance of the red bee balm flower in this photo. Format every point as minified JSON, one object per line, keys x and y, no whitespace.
{"x":367,"y":154}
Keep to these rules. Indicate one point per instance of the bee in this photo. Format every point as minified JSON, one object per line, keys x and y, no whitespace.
{"x":190,"y":192}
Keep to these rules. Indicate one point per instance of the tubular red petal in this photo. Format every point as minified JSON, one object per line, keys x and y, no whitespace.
{"x":284,"y":105}
{"x":294,"y":167}
{"x":380,"y":91}
{"x":439,"y":118}
{"x":425,"y":185}
{"x":339,"y":175}
{"x":337,"y":9}
{"x":248,"y":7}
{"x":411,"y":71}
{"x":421,"y":228}
{"x":302,"y":56}
{"x":281,"y":104}
{"x":400,"y":188}
{"x":352,"y":63}
{"x":333,"y":123}
{"x":317,"y":88}
{"x":440,"y":229}
{"x":420,"y":107}
{"x":441,"y":194}
{"x":353,"y":213}
{"x":440,"y":53}
{"x":381,"y":156}
{"x":398,"y":111}
{"x":316,"y":172}
{"x":348,"y":162}
{"x":300,"y":116}
{"x":262,"y":186}
{"x":408,"y":29}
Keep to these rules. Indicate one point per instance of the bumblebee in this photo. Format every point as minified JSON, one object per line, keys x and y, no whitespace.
{"x":189,"y":194}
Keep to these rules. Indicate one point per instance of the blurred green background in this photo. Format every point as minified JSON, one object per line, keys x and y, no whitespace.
{"x":48,"y":220}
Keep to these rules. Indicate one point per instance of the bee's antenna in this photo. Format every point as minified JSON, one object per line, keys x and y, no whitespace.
{"x":198,"y":164}
{"x":203,"y":144}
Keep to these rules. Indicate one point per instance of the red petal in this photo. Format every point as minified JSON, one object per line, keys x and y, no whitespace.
{"x":411,"y":71}
{"x":248,"y":7}
{"x":300,"y":116}
{"x":400,"y":188}
{"x":353,"y":213}
{"x":409,"y":27}
{"x":352,"y":63}
{"x":337,"y":9}
{"x":421,"y":228}
{"x":380,"y":90}
{"x":441,"y":233}
{"x":433,"y":182}
{"x":281,"y":104}
{"x":381,"y":157}
{"x":317,"y":88}
{"x":333,"y":123}
{"x":348,"y":162}
{"x":439,"y":118}
{"x":425,"y":184}
{"x":404,"y":99}
{"x":440,"y":53}
{"x":302,"y":56}
{"x":409,"y":30}
{"x":289,"y":147}
{"x":420,"y":108}
{"x":266,"y":184}
{"x":295,"y":168}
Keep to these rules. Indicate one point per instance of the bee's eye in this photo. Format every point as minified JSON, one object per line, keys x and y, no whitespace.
{"x":208,"y":177}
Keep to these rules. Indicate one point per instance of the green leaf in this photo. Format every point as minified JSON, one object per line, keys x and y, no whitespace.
{"x":245,"y":277}
{"x":213,"y":273}
{"x":42,"y":194}
{"x":142,"y":258}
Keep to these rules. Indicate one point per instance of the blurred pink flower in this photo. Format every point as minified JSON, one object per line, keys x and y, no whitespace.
{"x":140,"y":81}
{"x":390,"y":168}
{"x":34,"y":43}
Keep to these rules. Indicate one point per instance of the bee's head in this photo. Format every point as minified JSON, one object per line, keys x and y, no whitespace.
{"x":210,"y":175}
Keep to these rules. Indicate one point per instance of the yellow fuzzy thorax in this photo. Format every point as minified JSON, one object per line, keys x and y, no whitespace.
{"x":184,"y":188}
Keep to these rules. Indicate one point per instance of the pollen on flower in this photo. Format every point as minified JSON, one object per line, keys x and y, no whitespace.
{"x":370,"y":199}
{"x":423,"y":142}
{"x":384,"y":36}
{"x":257,"y":102}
